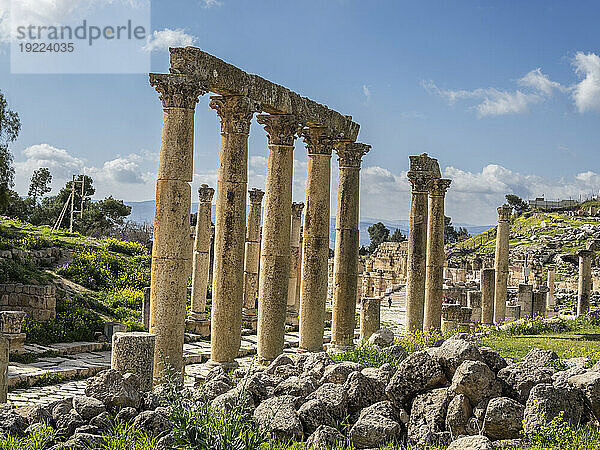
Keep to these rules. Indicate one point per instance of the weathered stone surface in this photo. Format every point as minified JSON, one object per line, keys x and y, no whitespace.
{"x":11,"y":422}
{"x":546,"y":402}
{"x":152,"y":422}
{"x":212,"y":389}
{"x":492,"y":359}
{"x":457,"y":417}
{"x":88,"y":407}
{"x":313,"y":414}
{"x":383,"y":337}
{"x":380,"y":377}
{"x":279,"y":416}
{"x":325,"y":437}
{"x":296,"y":386}
{"x":540,"y":357}
{"x":361,"y":392}
{"x":476,"y":380}
{"x":281,"y":360}
{"x":134,"y":353}
{"x":417,"y":373}
{"x":503,"y":419}
{"x":454,"y":351}
{"x":111,"y":388}
{"x":35,"y":414}
{"x":589,"y":384}
{"x":427,"y":415}
{"x":102,"y":421}
{"x":472,"y":443}
{"x":232,"y":399}
{"x":335,"y":397}
{"x":126,"y":414}
{"x":377,"y":424}
{"x":338,"y":373}
{"x":315,"y":363}
{"x":521,"y":377}
{"x":69,"y":422}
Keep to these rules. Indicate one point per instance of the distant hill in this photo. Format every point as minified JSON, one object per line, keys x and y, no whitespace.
{"x":143,"y":212}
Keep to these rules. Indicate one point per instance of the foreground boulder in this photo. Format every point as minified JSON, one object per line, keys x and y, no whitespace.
{"x":589,"y":384}
{"x":382,"y":338}
{"x":503,"y":419}
{"x":335,"y":398}
{"x":457,"y":417}
{"x":547,"y":402}
{"x":279,"y":416}
{"x":454,"y":351}
{"x":427,"y":417}
{"x":472,"y":443}
{"x":114,"y":390}
{"x":325,"y":437}
{"x":377,"y":424}
{"x":476,"y":380}
{"x":521,"y":377}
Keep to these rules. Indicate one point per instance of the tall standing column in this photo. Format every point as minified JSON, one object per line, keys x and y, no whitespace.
{"x":292,"y":312}
{"x":345,"y":268}
{"x":434,"y":275}
{"x":501,"y":263}
{"x":168,"y":284}
{"x":252,"y":257}
{"x":550,"y":300}
{"x":584,"y":286}
{"x":417,"y":243}
{"x":201,"y":258}
{"x":275,"y":247}
{"x":235,"y":112}
{"x":488,"y":281}
{"x":315,"y":241}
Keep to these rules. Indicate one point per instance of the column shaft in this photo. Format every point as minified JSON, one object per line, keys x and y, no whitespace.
{"x":201,"y":258}
{"x":550,"y":300}
{"x":252,"y":254}
{"x":293,"y":285}
{"x":275,"y":246}
{"x":434,"y":276}
{"x":168,"y":285}
{"x":584,"y":286}
{"x":501,"y":263}
{"x":315,"y":241}
{"x":488,"y":281}
{"x":345,"y":268}
{"x":230,"y":225}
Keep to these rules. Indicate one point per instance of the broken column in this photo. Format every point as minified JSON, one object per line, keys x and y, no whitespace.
{"x":134,"y":353}
{"x":501,"y":263}
{"x":451,"y":314}
{"x":584,"y":286}
{"x":525,"y":300}
{"x":488,"y":280}
{"x":434,"y":275}
{"x":464,"y":322}
{"x":197,"y":322}
{"x":252,"y":258}
{"x":345,"y":269}
{"x":275,"y":245}
{"x":315,"y":244}
{"x":513,"y":312}
{"x":420,"y":179}
{"x":168,"y":285}
{"x":293,"y":291}
{"x":539,"y":302}
{"x":369,"y":317}
{"x":146,"y":308}
{"x":474,"y":302}
{"x":4,"y":355}
{"x":235,"y":112}
{"x":550,"y":300}
{"x":11,"y":323}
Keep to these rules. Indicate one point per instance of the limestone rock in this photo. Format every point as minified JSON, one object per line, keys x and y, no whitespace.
{"x":476,"y":380}
{"x":379,"y":377}
{"x":11,"y":422}
{"x":102,"y":421}
{"x":376,"y":425}
{"x":540,"y":357}
{"x":589,"y":384}
{"x":126,"y":415}
{"x":314,"y":364}
{"x":454,"y":351}
{"x":361,"y":392}
{"x":278,"y":415}
{"x":338,"y":373}
{"x":522,"y":377}
{"x":212,"y":389}
{"x":325,"y":437}
{"x":296,"y":386}
{"x":382,"y":338}
{"x":503,"y":419}
{"x":233,"y":399}
{"x":153,"y":422}
{"x":457,"y":417}
{"x":396,"y":352}
{"x":335,"y":397}
{"x":427,"y":415}
{"x":313,"y":414}
{"x":546,"y":402}
{"x":281,"y":360}
{"x":472,"y":443}
{"x":35,"y":414}
{"x":492,"y":359}
{"x":111,"y":388}
{"x":88,"y":407}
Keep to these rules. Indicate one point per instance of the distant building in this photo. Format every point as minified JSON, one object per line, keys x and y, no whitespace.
{"x":541,"y":203}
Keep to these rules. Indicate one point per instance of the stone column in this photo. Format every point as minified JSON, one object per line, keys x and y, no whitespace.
{"x":550,"y":300}
{"x":299,"y":279}
{"x":168,"y":284}
{"x":345,"y":269}
{"x":474,"y":302}
{"x":488,"y":281}
{"x":370,"y":310}
{"x":4,"y":352}
{"x":539,"y":302}
{"x":134,"y":353}
{"x":464,"y":323}
{"x":501,"y":263}
{"x":434,"y":275}
{"x":235,"y":112}
{"x":292,"y":312}
{"x":201,"y":253}
{"x":315,"y":241}
{"x":525,"y":299}
{"x":451,"y":314}
{"x":252,"y":258}
{"x":417,"y":243}
{"x":146,"y":308}
{"x":585,"y":282}
{"x":275,"y":246}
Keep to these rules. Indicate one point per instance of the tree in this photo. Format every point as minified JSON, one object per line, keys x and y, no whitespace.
{"x":40,"y":183}
{"x":397,"y":236}
{"x":101,"y":216}
{"x":378,"y":233}
{"x":462,"y":234}
{"x":10,"y":125}
{"x":450,"y":233}
{"x":517,"y":203}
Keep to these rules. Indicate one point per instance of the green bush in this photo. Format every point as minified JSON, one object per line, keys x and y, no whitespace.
{"x":365,"y":354}
{"x":126,"y":248}
{"x":21,"y":272}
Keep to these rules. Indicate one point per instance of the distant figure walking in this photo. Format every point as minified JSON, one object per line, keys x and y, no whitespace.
{"x":390,"y":301}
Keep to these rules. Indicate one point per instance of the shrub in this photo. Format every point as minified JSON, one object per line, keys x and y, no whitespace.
{"x":366,"y":355}
{"x":560,"y":434}
{"x":122,"y":437}
{"x":38,"y":439}
{"x":126,"y":248}
{"x":21,"y":272}
{"x":419,"y":340}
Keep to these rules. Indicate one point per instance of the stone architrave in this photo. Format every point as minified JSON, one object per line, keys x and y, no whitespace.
{"x":370,"y":317}
{"x":201,"y":256}
{"x":170,"y":249}
{"x":488,"y":282}
{"x":345,"y":267}
{"x":501,"y":263}
{"x":434,"y":275}
{"x":550,"y":299}
{"x":293,"y":282}
{"x":235,"y":112}
{"x":134,"y":353}
{"x":275,"y":246}
{"x":252,"y":257}
{"x":584,"y":286}
{"x":315,"y":240}
{"x":420,"y":178}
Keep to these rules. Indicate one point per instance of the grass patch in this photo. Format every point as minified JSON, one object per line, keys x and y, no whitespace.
{"x":366,"y":355}
{"x":21,"y":272}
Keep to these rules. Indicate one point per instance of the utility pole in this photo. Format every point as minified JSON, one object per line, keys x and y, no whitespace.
{"x":82,"y":193}
{"x":72,"y":204}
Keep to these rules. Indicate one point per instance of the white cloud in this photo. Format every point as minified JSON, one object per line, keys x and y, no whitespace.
{"x":367,"y":93}
{"x":538,"y":81}
{"x":210,"y":3}
{"x":586,"y":93}
{"x":162,"y":40}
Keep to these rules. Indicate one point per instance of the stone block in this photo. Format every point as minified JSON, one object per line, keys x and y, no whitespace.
{"x":16,"y":342}
{"x":201,"y":327}
{"x":4,"y":349}
{"x":11,"y":321}
{"x":134,"y":353}
{"x":110,"y":328}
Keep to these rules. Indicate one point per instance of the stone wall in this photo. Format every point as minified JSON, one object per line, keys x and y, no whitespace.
{"x":39,"y":302}
{"x":44,"y":257}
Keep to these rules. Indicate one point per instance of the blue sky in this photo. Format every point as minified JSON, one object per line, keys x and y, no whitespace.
{"x":505,"y":94}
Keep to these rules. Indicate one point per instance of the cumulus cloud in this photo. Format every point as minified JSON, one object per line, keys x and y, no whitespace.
{"x":163,"y":39}
{"x":586,"y":93}
{"x":540,"y":82}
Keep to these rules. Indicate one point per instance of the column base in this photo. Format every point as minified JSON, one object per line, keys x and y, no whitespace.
{"x":226,"y":365}
{"x":291,"y":316}
{"x":198,"y":326}
{"x":250,"y":318}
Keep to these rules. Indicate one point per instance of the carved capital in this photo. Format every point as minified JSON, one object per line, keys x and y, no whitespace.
{"x":235,"y":112}
{"x":439,"y":186}
{"x":281,"y":128}
{"x":176,"y":90}
{"x":256,"y":195}
{"x":504,"y":213}
{"x":297,"y":209}
{"x":350,"y":153}
{"x":585,"y":253}
{"x":205,"y":193}
{"x":420,"y":180}
{"x":318,"y":140}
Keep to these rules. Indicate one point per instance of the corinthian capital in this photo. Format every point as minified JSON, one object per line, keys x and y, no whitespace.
{"x":256,"y":195}
{"x":504,"y":213}
{"x":318,"y":140}
{"x":205,"y":193}
{"x":420,"y":180}
{"x":281,"y":128}
{"x":439,"y":186}
{"x":297,"y":209}
{"x":350,"y":153}
{"x":235,"y":112}
{"x":176,"y":90}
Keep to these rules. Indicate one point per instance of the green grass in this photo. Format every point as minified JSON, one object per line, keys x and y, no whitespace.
{"x":366,"y":355}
